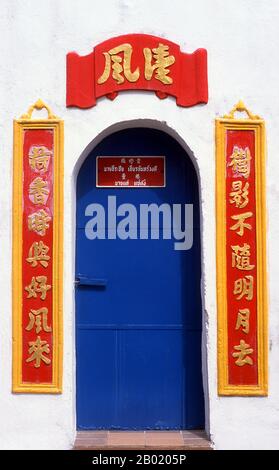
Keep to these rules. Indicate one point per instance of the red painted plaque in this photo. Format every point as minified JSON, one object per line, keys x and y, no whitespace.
{"x":137,"y":62}
{"x":37,"y":253}
{"x":127,"y":172}
{"x":241,"y":256}
{"x":37,"y":236}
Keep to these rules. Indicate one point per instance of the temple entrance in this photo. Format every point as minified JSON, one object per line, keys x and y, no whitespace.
{"x":138,"y":299}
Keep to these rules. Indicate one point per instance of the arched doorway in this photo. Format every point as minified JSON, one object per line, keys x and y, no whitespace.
{"x":138,"y":300}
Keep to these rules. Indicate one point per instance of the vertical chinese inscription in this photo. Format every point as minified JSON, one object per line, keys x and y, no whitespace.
{"x":241,"y":257}
{"x":241,"y":254}
{"x":37,"y":253}
{"x":37,"y":256}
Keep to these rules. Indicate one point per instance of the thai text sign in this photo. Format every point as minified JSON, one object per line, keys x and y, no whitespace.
{"x":241,"y":287}
{"x":135,"y":172}
{"x":37,"y":251}
{"x":137,"y":62}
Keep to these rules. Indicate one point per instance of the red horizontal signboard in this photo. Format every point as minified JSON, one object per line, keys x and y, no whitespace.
{"x":135,"y":172}
{"x":137,"y":62}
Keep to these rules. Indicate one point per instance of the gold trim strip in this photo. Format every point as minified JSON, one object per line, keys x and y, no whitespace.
{"x":57,"y":125}
{"x":255,"y":123}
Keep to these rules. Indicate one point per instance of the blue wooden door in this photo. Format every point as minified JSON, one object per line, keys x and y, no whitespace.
{"x":138,"y":329}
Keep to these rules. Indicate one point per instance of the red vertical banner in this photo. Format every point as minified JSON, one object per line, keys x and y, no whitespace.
{"x":241,"y":257}
{"x":37,"y":249}
{"x":241,"y":263}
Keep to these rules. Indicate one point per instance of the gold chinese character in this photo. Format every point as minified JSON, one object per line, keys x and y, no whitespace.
{"x":241,"y":225}
{"x":162,"y":61}
{"x":243,"y":358}
{"x":119,"y":65}
{"x":38,"y":253}
{"x":243,"y":287}
{"x":37,"y":349}
{"x":39,"y":158}
{"x":240,"y":161}
{"x":38,"y":222}
{"x":239,"y":194}
{"x":243,"y":320}
{"x":38,"y":318}
{"x":38,"y":191}
{"x":38,"y":284}
{"x":241,"y":257}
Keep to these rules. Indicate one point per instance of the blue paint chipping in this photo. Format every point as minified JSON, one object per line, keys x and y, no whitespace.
{"x":138,"y":303}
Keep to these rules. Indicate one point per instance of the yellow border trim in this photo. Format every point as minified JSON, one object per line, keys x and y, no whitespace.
{"x":221,"y":126}
{"x":20,"y":125}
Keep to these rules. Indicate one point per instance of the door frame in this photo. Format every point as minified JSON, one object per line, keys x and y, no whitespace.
{"x":162,"y":126}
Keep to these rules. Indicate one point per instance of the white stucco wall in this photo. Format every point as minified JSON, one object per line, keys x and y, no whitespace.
{"x":243,"y":62}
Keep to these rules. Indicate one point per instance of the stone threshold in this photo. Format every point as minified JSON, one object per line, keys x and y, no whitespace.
{"x":142,"y":440}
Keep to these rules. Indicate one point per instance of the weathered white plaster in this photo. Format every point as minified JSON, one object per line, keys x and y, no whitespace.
{"x":243,"y":62}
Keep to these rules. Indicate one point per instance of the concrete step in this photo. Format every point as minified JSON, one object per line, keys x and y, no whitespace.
{"x":142,"y":440}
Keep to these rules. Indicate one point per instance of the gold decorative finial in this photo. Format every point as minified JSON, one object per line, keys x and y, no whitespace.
{"x":38,"y":105}
{"x":240,"y":106}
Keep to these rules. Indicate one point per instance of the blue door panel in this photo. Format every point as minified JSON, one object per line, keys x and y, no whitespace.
{"x":178,"y":167}
{"x":138,"y":304}
{"x":97,"y":372}
{"x":158,"y":286}
{"x":194,"y":401}
{"x":147,"y":361}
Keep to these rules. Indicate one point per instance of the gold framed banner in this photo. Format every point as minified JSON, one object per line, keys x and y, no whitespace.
{"x":37,"y":253}
{"x":241,"y":254}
